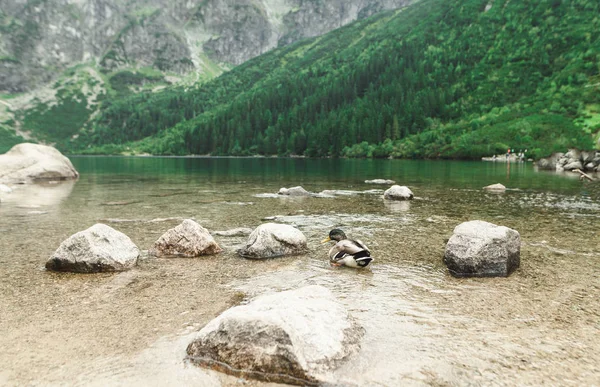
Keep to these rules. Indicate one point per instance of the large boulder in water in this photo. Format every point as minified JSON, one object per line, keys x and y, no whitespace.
{"x":292,"y":337}
{"x":397,"y":192}
{"x":189,"y":239}
{"x":26,"y":162}
{"x":482,"y":249}
{"x":272,"y":240}
{"x":100,"y":248}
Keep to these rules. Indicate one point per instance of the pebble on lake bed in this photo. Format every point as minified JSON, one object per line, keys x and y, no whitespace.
{"x":482,"y":249}
{"x":189,"y":240}
{"x":100,"y":248}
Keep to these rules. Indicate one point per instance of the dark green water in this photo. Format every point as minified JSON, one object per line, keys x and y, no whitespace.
{"x":423,"y":327}
{"x":314,"y":172}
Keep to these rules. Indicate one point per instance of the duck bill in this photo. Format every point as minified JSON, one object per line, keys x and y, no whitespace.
{"x":326,"y":240}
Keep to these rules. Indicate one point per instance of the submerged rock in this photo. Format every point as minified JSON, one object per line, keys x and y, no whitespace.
{"x":380,"y":181}
{"x":100,"y":248}
{"x":495,"y":187}
{"x":397,"y":192}
{"x":292,"y":337}
{"x":294,"y":191}
{"x":272,"y":240}
{"x":189,"y":239}
{"x":236,"y":232}
{"x":26,"y":162}
{"x":482,"y":249}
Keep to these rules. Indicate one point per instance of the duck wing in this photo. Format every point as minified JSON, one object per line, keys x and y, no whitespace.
{"x":348,"y":247}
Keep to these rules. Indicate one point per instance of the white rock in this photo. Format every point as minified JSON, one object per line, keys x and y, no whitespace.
{"x":99,"y":248}
{"x":272,"y":240}
{"x":5,"y":188}
{"x":380,"y":181}
{"x":397,"y":192}
{"x":294,"y":191}
{"x":293,"y":337}
{"x":26,"y":162}
{"x":495,"y":187}
{"x":189,"y":239}
{"x":482,"y":249}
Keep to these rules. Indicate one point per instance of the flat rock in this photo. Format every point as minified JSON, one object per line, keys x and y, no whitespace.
{"x":100,"y":248}
{"x":397,"y":192}
{"x":236,"y":232}
{"x":495,"y":187}
{"x":189,"y":239}
{"x":482,"y":249}
{"x":380,"y":181}
{"x":294,"y":191}
{"x":26,"y":163}
{"x":292,"y":337}
{"x":272,"y":240}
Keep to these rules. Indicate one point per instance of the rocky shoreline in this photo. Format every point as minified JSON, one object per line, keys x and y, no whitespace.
{"x":574,"y":159}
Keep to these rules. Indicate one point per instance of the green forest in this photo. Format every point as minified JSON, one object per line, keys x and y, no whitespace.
{"x":439,"y":79}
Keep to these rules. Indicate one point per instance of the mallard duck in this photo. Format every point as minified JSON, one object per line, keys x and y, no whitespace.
{"x":347,"y":252}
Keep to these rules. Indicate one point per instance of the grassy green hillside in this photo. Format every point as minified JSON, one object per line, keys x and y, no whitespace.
{"x":442,"y":78}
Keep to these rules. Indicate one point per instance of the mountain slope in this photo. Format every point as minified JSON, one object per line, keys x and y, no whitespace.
{"x":439,"y":79}
{"x":41,"y":38}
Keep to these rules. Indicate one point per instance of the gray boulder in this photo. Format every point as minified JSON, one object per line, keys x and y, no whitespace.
{"x":189,"y":239}
{"x":25,"y":163}
{"x":292,"y":337}
{"x":550,"y":163}
{"x":100,"y":248}
{"x":482,"y":249}
{"x":380,"y":181}
{"x":587,"y":157}
{"x":294,"y":191}
{"x":573,"y":154}
{"x":397,"y":192}
{"x":272,"y":240}
{"x":495,"y":188}
{"x":573,"y":165}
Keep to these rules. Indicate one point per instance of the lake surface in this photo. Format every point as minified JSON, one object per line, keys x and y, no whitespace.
{"x":540,"y":326}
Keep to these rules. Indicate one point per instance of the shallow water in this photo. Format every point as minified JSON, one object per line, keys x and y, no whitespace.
{"x":538,"y":327}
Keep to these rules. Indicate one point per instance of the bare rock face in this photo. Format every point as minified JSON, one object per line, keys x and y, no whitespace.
{"x":189,"y":239}
{"x":42,"y":39}
{"x":100,"y":248}
{"x":380,"y":181}
{"x":495,"y":188}
{"x":25,"y":163}
{"x":482,"y":249}
{"x":292,"y":337}
{"x":397,"y":192}
{"x":294,"y":191}
{"x":271,"y":240}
